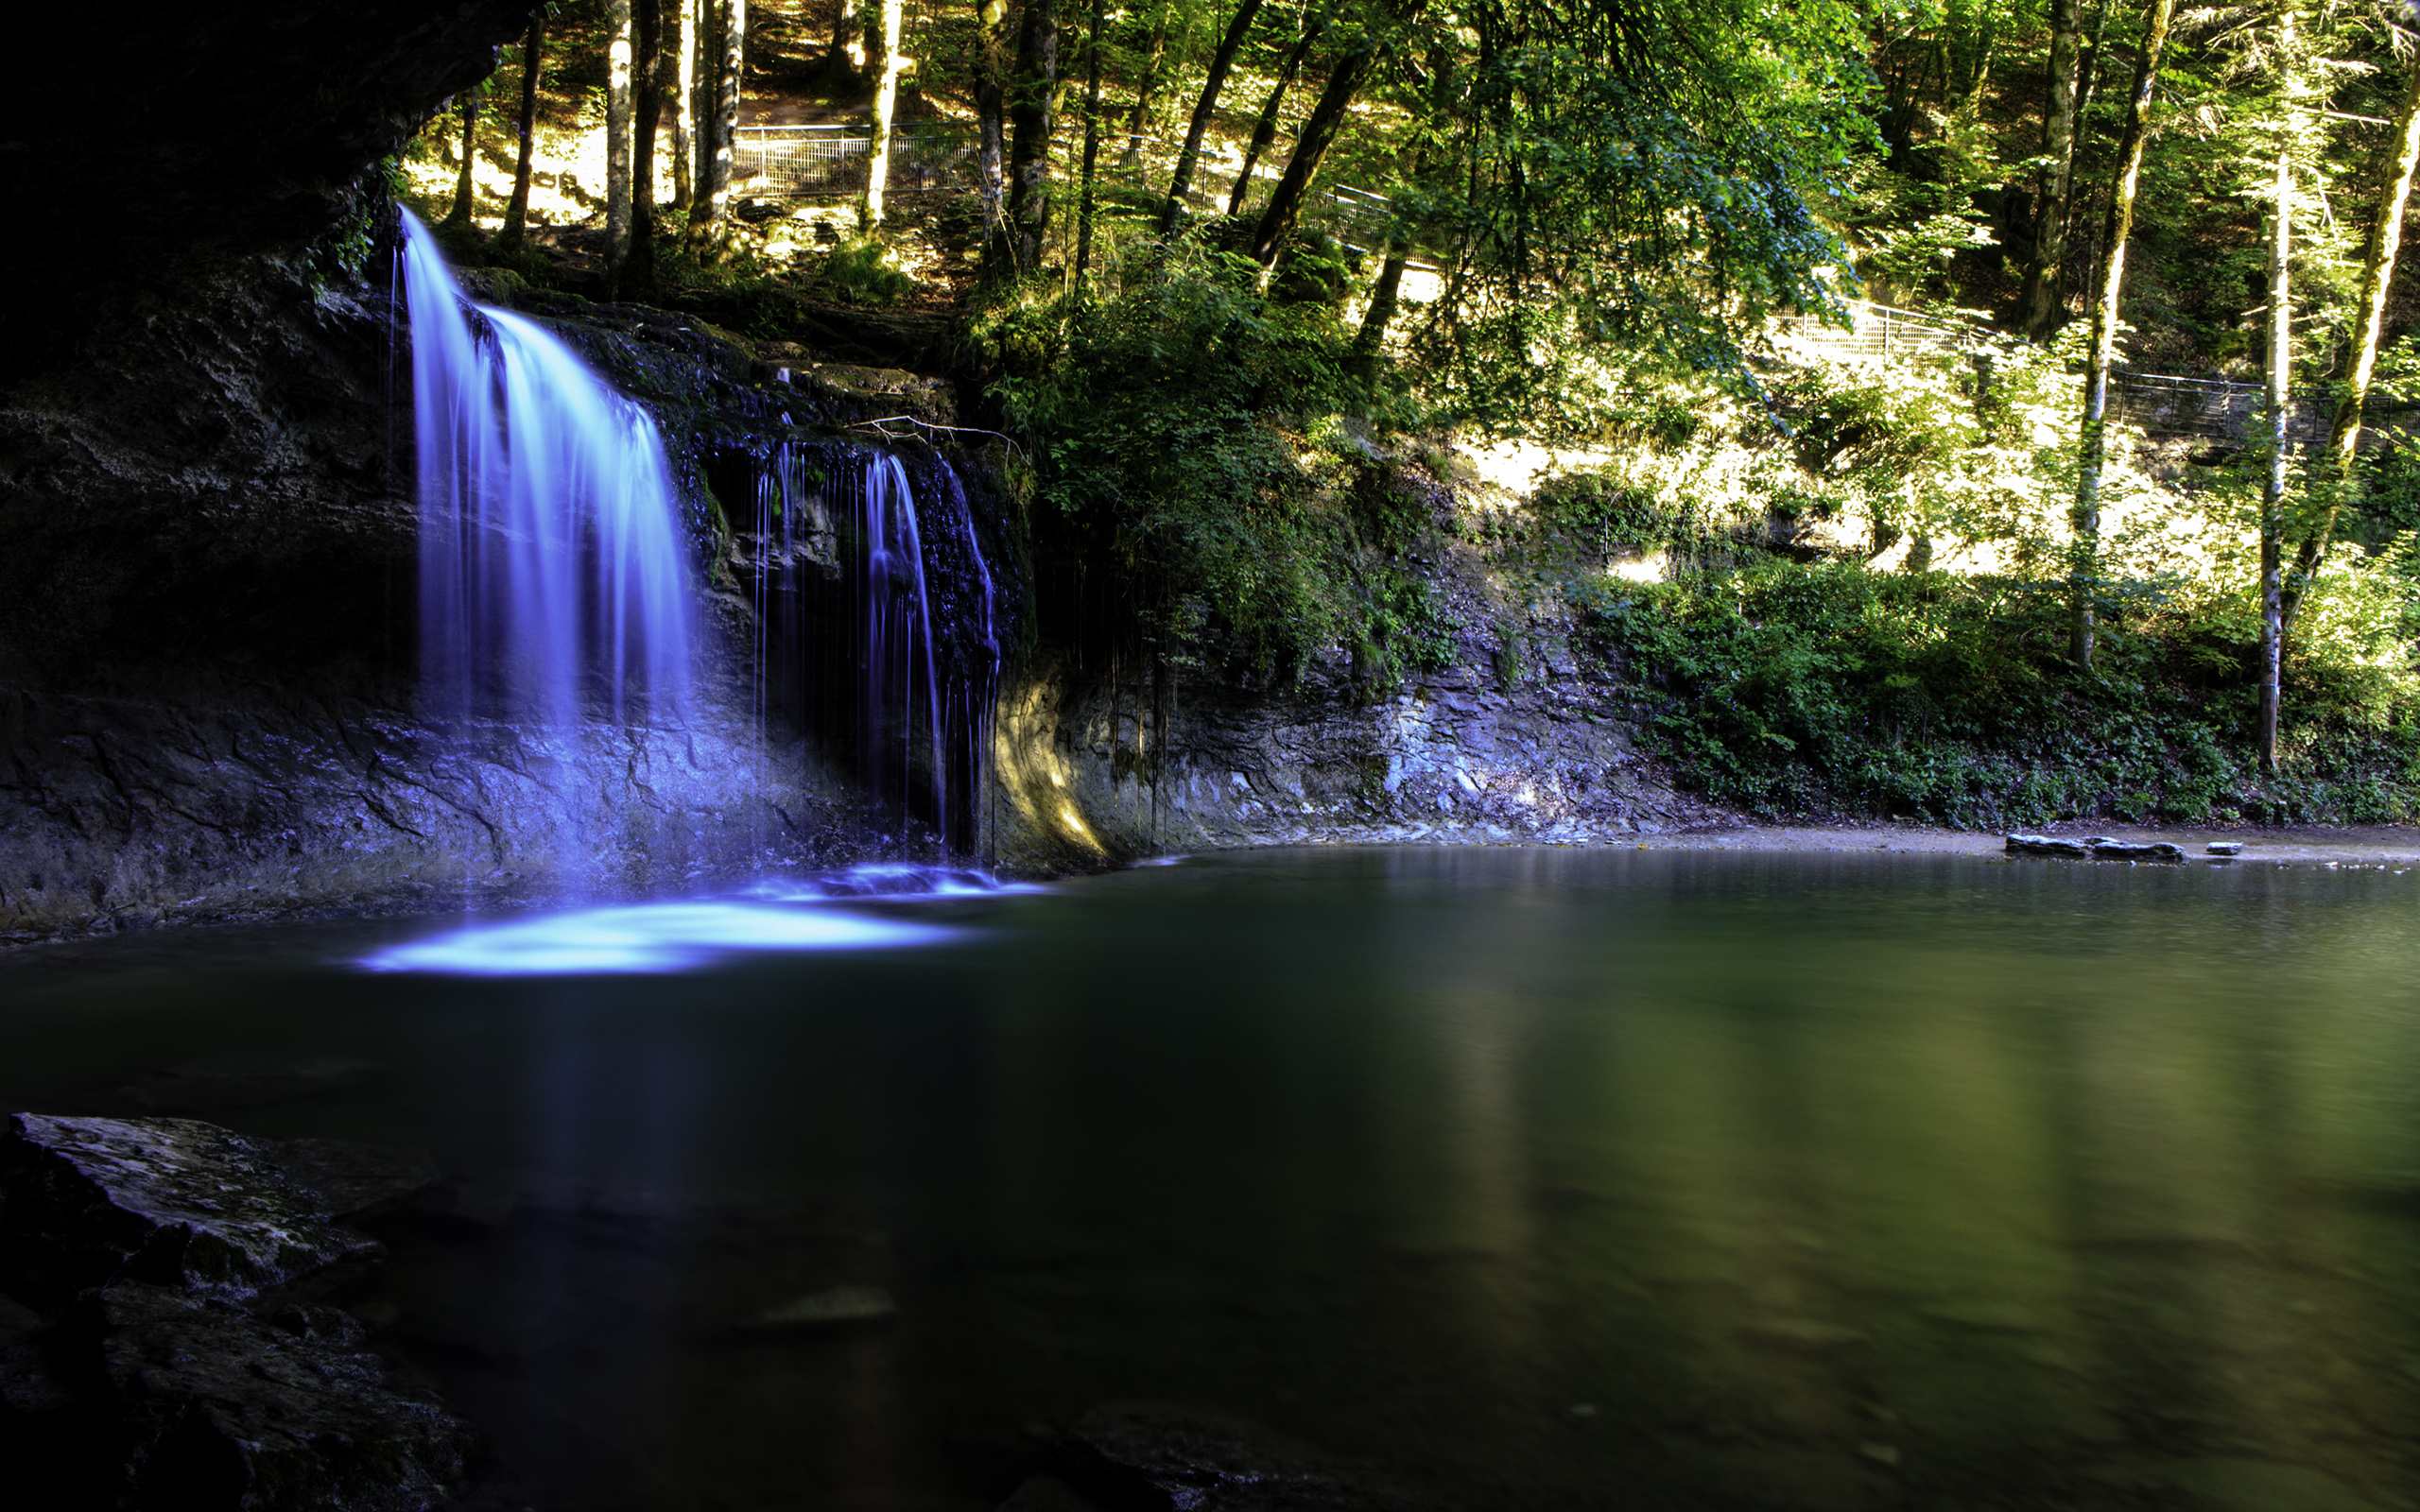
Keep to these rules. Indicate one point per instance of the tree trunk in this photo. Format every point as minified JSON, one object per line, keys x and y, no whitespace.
{"x":617,"y":139}
{"x":706,"y":68}
{"x":684,"y":105}
{"x":1031,"y":102}
{"x":464,"y":190}
{"x":1264,"y":131}
{"x":516,"y":214}
{"x":1092,"y":142}
{"x":990,"y":115}
{"x":2273,"y":424}
{"x":1318,"y":133}
{"x":733,"y":38}
{"x":1141,"y":115}
{"x":2340,"y":483}
{"x":1371,"y":338}
{"x":1191,"y":153}
{"x":2039,"y":302}
{"x":638,"y":269}
{"x":886,"y":99}
{"x":847,"y":57}
{"x":2093,"y":448}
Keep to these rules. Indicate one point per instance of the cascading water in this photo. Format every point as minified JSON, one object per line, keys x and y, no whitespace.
{"x":553,"y":577}
{"x":891,"y":651}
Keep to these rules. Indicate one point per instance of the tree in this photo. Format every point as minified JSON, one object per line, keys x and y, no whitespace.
{"x":1154,"y":55}
{"x":638,"y":267}
{"x":886,"y":96}
{"x":1264,"y":131}
{"x":2039,"y":304}
{"x":846,"y":58}
{"x":617,"y":138}
{"x":1092,"y":142}
{"x":2274,"y":418}
{"x":2092,"y":447}
{"x":722,"y":136}
{"x":1320,"y":129}
{"x":516,"y":214}
{"x":992,"y":66}
{"x":2340,"y":479}
{"x":464,"y":191}
{"x":1032,"y":110}
{"x":685,"y":103}
{"x":1191,"y":153}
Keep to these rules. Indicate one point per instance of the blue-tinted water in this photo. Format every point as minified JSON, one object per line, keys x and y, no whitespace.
{"x":1549,"y":1178}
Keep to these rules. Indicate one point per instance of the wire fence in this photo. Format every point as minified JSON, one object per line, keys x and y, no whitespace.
{"x":2162,"y":405}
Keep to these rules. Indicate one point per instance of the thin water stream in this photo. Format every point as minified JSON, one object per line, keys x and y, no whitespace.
{"x":1549,"y":1178}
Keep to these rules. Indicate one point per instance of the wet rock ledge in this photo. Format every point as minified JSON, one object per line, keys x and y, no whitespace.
{"x":166,"y":1333}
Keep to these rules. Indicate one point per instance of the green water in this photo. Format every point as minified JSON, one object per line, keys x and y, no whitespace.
{"x":1546,"y":1178}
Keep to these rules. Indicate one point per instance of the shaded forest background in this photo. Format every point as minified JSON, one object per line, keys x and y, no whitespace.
{"x":1226,"y":276}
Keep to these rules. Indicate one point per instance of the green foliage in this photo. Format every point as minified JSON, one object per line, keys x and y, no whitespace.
{"x":1178,"y":431}
{"x":1796,"y":691}
{"x":864,"y":272}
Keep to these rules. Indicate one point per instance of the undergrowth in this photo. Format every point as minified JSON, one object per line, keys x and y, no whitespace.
{"x":1795,"y":691}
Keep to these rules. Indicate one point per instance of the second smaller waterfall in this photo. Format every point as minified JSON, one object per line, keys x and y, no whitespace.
{"x":879,"y":627}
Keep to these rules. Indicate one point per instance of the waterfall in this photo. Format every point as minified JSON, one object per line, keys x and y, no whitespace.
{"x":877,"y":618}
{"x":553,"y":577}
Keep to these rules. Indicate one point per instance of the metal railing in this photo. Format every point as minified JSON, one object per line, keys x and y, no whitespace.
{"x":801,"y":161}
{"x":1880,"y":331}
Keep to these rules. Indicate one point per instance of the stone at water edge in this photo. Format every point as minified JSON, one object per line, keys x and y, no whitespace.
{"x":1159,"y":1455}
{"x":292,"y":1412}
{"x":2223,"y":847}
{"x":164,"y":1201}
{"x":2092,"y":848}
{"x":828,"y":1309}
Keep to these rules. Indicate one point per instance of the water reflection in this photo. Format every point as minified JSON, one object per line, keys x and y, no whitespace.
{"x":669,"y":937}
{"x":1548,"y":1178}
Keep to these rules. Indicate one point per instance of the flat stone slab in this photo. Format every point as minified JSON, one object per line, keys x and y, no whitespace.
{"x":2093,"y":848}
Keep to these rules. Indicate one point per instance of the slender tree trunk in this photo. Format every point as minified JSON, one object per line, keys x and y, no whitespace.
{"x":1264,"y":131}
{"x":1141,"y":117}
{"x":990,"y":115}
{"x":1371,"y":338}
{"x":638,"y":269}
{"x":464,"y":190}
{"x":684,"y":105}
{"x":1032,"y":98}
{"x":1092,"y":142}
{"x":886,"y":99}
{"x":2340,"y":482}
{"x":733,"y":39}
{"x":847,"y":57}
{"x":516,"y":214}
{"x":617,"y":139}
{"x":2093,"y":451}
{"x":2274,"y":418}
{"x":1318,"y":133}
{"x":2039,"y":301}
{"x":1191,"y":153}
{"x":704,"y":69}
